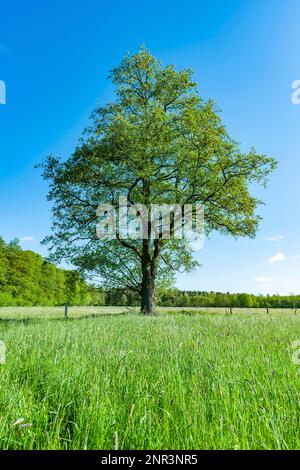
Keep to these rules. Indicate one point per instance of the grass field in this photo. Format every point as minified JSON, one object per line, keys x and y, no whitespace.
{"x":177,"y":381}
{"x":30,"y":313}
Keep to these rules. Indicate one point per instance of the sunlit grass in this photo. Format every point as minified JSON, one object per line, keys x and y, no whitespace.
{"x":199,"y":381}
{"x":90,"y":311}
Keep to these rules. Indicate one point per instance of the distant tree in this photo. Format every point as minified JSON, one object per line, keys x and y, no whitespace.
{"x":97,"y":295}
{"x":186,"y":300}
{"x":159,"y":143}
{"x":77,"y":292}
{"x":123,"y":299}
{"x":3,"y":263}
{"x":27,"y":279}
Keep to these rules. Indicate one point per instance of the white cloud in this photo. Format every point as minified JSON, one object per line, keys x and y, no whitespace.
{"x":278,"y":257}
{"x":274,"y":238}
{"x":263,"y":279}
{"x":26,"y":239}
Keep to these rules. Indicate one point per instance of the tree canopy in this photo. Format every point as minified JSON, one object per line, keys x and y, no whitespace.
{"x":157,"y":143}
{"x":27,"y":279}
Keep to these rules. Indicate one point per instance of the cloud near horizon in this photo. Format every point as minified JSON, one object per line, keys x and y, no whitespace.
{"x":26,"y":239}
{"x":278,"y":257}
{"x":274,"y":238}
{"x":263,"y":279}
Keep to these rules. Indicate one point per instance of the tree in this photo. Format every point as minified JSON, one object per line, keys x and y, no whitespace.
{"x":158,"y":143}
{"x":27,"y":279}
{"x":3,"y":263}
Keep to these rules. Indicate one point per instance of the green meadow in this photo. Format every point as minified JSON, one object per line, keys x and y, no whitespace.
{"x":110,"y":378}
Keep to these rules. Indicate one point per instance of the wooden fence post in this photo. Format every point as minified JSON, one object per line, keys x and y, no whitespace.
{"x":66,"y":311}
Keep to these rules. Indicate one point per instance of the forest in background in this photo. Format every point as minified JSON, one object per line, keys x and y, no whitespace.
{"x":27,"y":279}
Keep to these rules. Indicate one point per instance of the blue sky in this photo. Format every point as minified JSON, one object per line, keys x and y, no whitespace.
{"x":55,"y":57}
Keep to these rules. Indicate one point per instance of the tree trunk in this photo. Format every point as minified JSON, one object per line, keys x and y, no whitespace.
{"x":148,"y":302}
{"x":148,"y":281}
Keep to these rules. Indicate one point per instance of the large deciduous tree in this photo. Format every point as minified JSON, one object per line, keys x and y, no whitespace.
{"x":158,"y":143}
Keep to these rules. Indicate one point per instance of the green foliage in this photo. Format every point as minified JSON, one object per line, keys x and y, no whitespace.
{"x":27,"y":279}
{"x":158,"y":143}
{"x":177,"y":298}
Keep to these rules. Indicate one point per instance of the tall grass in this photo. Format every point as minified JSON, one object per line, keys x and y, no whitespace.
{"x":201,"y":381}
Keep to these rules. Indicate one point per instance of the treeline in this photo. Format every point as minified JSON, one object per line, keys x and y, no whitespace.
{"x":177,"y":298}
{"x":27,"y":279}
